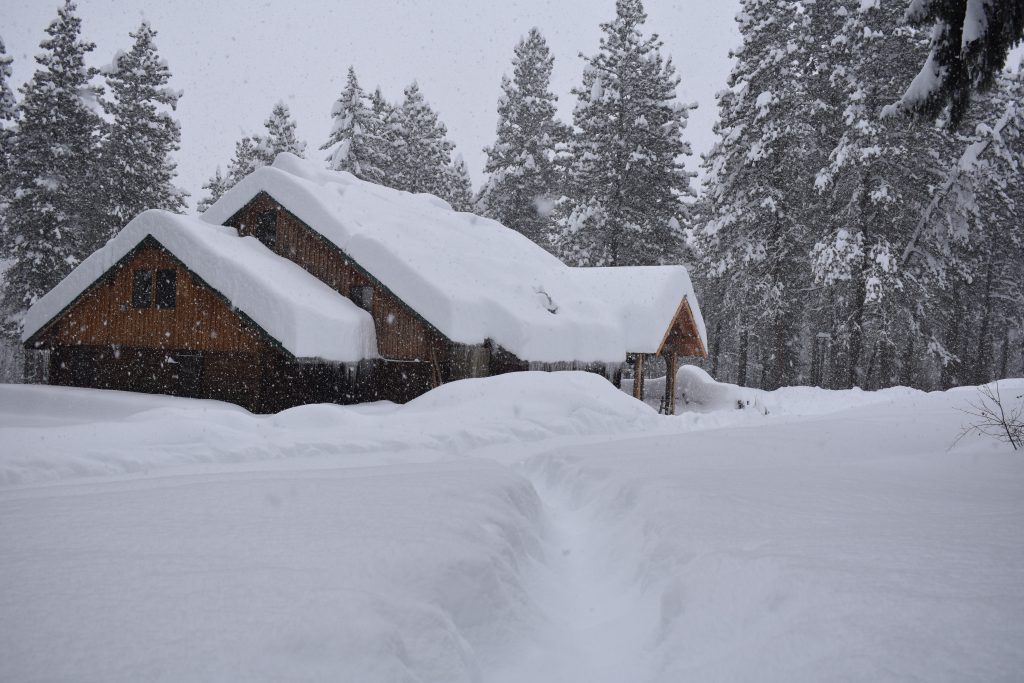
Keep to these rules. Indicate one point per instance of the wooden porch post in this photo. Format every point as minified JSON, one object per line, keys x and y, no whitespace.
{"x":670,"y":383}
{"x":638,"y":376}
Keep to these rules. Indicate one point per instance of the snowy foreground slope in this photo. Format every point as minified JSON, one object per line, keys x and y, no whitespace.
{"x":520,"y":528}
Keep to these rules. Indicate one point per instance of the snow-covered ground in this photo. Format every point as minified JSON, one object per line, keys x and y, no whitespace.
{"x":529,"y":527}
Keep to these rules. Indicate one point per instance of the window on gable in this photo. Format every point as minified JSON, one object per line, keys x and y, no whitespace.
{"x":266,"y":228}
{"x":166,"y":288}
{"x":142,"y":289}
{"x":362,"y":297}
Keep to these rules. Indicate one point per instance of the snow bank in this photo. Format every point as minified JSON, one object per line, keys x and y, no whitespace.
{"x":471,"y":277}
{"x":55,"y":433}
{"x":307,"y":317}
{"x":698,"y":391}
{"x":380,"y":575}
{"x":850,"y":546}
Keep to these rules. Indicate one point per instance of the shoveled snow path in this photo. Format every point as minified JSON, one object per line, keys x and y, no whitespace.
{"x":591,"y":632}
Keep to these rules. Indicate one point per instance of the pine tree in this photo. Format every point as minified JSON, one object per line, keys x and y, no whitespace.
{"x":143,"y":135}
{"x":968,"y":245}
{"x":255,"y":151}
{"x":246,"y":160}
{"x":8,"y":107}
{"x":215,"y":187}
{"x":421,"y":149}
{"x":52,"y":220}
{"x":384,"y":122}
{"x":969,"y":45}
{"x":628,"y":175}
{"x":875,"y":188}
{"x":525,"y":179}
{"x":459,"y":187}
{"x":280,"y":136}
{"x":355,"y":142}
{"x":751,"y":235}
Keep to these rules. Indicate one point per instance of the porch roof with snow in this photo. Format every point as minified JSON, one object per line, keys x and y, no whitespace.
{"x":472,"y":278}
{"x":305,"y":316}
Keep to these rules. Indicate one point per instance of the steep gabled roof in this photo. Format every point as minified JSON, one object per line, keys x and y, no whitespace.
{"x":470,"y":277}
{"x":307,"y":318}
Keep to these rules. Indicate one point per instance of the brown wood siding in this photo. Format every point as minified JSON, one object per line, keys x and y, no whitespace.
{"x":682,"y":337}
{"x":200,"y":320}
{"x":401,"y":334}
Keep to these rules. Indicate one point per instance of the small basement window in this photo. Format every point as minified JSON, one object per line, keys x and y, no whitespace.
{"x":362,"y":297}
{"x":166,"y":288}
{"x":266,"y":228}
{"x":142,"y":289}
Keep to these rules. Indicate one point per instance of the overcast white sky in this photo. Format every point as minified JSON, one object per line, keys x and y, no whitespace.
{"x":234,"y":58}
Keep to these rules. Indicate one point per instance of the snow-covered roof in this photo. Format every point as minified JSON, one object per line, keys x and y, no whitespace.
{"x":644,"y":298}
{"x":470,"y":277}
{"x":308,"y":318}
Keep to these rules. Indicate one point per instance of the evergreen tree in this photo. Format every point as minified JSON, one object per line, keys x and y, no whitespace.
{"x":970,"y":42}
{"x":875,"y":185}
{"x":52,"y":220}
{"x":143,"y":135}
{"x":751,"y":236}
{"x":421,"y":149}
{"x":7,"y":111}
{"x":246,"y":160}
{"x":459,"y":187}
{"x":355,"y":142}
{"x":280,"y":136}
{"x":384,"y":114}
{"x":628,"y":175}
{"x":968,"y":246}
{"x":255,"y":151}
{"x":525,"y":179}
{"x":8,"y":107}
{"x":215,"y":187}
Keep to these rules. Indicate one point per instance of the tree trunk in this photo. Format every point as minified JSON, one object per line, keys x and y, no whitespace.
{"x":716,"y":348}
{"x":983,"y":358}
{"x":741,"y":374}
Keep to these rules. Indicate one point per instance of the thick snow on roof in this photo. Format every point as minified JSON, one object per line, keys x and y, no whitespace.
{"x":308,"y":318}
{"x":471,"y":277}
{"x":644,"y":298}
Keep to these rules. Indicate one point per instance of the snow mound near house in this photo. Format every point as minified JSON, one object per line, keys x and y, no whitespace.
{"x":307,"y":317}
{"x":471,"y":277}
{"x":698,"y":391}
{"x":56,"y":433}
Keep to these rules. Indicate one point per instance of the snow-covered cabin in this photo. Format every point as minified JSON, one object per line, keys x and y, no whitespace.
{"x":303,"y":285}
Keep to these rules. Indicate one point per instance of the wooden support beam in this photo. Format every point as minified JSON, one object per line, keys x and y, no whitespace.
{"x":670,"y":383}
{"x":638,"y":376}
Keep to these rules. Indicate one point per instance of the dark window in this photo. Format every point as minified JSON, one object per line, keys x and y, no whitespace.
{"x":83,"y":368}
{"x":362,"y":297}
{"x":189,"y":374}
{"x":166,"y":288}
{"x":266,"y":228}
{"x":142,"y":288}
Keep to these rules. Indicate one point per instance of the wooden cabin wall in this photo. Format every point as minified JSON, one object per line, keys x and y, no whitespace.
{"x":401,"y":334}
{"x":200,"y":320}
{"x":262,"y":383}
